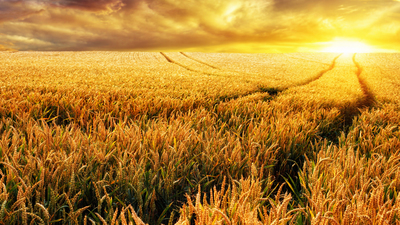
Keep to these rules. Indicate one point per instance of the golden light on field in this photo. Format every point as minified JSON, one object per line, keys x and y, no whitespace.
{"x":203,"y":132}
{"x":348,"y":46}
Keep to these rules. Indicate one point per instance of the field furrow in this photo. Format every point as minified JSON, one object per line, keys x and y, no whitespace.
{"x":188,"y":63}
{"x":319,"y":74}
{"x":323,"y":58}
{"x":369,"y":97}
{"x":339,"y":86}
{"x":199,"y":61}
{"x":278,"y":71}
{"x":380,"y":73}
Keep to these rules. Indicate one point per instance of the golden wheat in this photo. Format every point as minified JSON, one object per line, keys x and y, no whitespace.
{"x":195,"y":138}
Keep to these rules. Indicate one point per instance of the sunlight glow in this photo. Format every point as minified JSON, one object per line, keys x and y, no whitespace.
{"x":347,"y":46}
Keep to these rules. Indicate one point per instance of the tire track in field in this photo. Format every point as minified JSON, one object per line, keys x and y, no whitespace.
{"x":369,"y":97}
{"x":352,"y":111}
{"x":199,"y":61}
{"x":321,"y":73}
{"x":202,"y":72}
{"x":276,"y":91}
{"x":221,"y":69}
{"x":273,"y":92}
{"x":270,"y":90}
{"x":183,"y":66}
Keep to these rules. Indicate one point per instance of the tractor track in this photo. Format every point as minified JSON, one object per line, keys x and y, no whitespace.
{"x":199,"y":61}
{"x":352,"y":111}
{"x":218,"y":68}
{"x":270,"y":90}
{"x":369,"y":98}
{"x":273,"y":92}
{"x":185,"y":67}
{"x":349,"y":112}
{"x":321,"y":73}
{"x":318,"y":76}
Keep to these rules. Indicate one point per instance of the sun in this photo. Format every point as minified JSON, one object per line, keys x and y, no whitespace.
{"x":340,"y":45}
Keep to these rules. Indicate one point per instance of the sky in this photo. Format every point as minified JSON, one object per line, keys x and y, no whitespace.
{"x":196,"y":25}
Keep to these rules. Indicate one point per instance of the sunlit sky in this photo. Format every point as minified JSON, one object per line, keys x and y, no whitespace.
{"x":200,"y":25}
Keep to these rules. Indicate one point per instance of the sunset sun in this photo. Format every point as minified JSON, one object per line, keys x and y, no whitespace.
{"x":347,"y":46}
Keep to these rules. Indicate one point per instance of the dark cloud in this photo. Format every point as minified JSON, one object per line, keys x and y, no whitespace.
{"x":193,"y":24}
{"x":90,"y":5}
{"x":17,"y":10}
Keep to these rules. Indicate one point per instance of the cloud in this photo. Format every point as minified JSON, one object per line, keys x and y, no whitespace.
{"x":196,"y":25}
{"x":17,"y":10}
{"x":90,"y":5}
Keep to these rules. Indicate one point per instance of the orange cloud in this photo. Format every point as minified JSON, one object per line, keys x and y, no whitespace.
{"x":282,"y":25}
{"x":17,"y":10}
{"x":90,"y":5}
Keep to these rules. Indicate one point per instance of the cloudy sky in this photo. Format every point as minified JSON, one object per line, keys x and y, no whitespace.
{"x":196,"y":25}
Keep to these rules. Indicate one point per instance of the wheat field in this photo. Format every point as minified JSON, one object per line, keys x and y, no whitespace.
{"x":199,"y":138}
